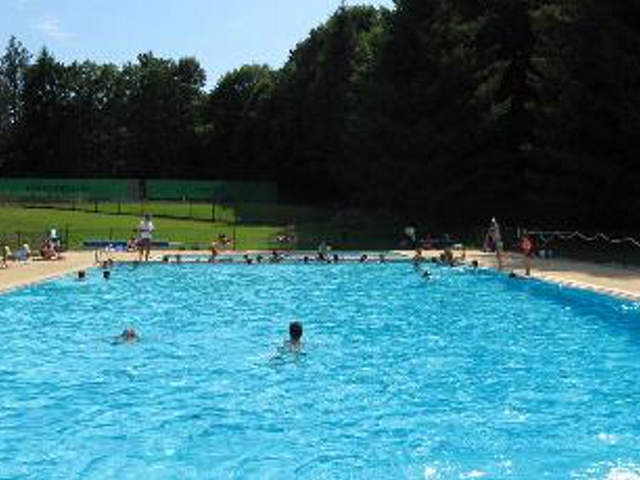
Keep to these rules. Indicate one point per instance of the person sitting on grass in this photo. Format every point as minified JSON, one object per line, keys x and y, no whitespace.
{"x":6,"y":253}
{"x":48,"y":251}
{"x":27,"y":251}
{"x":132,"y":244}
{"x":224,"y":241}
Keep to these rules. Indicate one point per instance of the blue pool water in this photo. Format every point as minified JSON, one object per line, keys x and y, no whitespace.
{"x":465,"y":375}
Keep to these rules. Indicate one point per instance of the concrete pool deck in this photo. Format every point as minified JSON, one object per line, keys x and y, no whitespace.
{"x":607,"y":279}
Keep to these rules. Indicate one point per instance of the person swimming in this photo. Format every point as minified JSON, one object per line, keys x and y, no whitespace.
{"x":128,"y":335}
{"x":275,"y":257}
{"x":106,"y":274}
{"x":82,"y":275}
{"x":294,"y":344}
{"x":418,"y":258}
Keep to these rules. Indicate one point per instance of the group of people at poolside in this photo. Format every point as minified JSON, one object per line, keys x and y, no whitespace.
{"x":50,"y":249}
{"x":494,"y":243}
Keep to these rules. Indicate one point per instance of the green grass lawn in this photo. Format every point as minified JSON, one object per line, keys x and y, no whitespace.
{"x":19,"y":224}
{"x":254,"y":226}
{"x":248,"y":213}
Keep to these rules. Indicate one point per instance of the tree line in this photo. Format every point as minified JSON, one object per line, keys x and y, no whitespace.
{"x":446,"y":110}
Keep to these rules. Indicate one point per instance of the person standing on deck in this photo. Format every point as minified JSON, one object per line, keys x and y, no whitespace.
{"x":145,"y":235}
{"x":526,"y":245}
{"x":496,"y":236}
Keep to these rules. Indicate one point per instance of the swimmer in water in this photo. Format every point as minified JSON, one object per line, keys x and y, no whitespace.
{"x":294,"y":344}
{"x":106,"y":274}
{"x":291,"y":349}
{"x":474,"y":264}
{"x":128,"y":335}
{"x":82,"y":275}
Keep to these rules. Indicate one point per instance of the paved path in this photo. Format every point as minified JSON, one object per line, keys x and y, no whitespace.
{"x":20,"y":274}
{"x":605,"y":278}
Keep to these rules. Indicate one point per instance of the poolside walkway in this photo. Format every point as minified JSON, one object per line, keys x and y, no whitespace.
{"x":20,"y":274}
{"x":609,"y":279}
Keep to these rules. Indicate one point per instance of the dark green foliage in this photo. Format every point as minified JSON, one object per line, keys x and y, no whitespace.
{"x":313,"y":106}
{"x":233,"y":124}
{"x":451,"y":111}
{"x":13,"y":67}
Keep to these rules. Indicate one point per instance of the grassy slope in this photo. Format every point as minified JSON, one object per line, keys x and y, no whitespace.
{"x":33,"y":223}
{"x":265,"y":214}
{"x":192,"y":224}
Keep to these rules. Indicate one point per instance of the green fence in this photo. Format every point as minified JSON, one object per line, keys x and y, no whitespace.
{"x":220,"y":192}
{"x":66,"y":189}
{"x":116,"y":190}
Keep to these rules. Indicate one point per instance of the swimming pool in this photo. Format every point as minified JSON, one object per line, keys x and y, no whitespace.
{"x":463,"y":375}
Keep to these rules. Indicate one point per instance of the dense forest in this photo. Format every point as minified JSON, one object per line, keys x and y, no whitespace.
{"x":449,"y":110}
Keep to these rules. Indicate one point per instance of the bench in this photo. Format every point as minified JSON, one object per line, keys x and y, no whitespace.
{"x":120,"y":244}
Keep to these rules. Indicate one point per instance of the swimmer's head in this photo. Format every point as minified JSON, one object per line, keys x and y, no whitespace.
{"x":106,"y":274}
{"x":474,"y":264}
{"x":82,"y":275}
{"x":129,"y":334}
{"x":295,"y":331}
